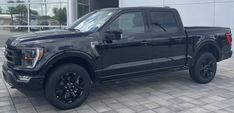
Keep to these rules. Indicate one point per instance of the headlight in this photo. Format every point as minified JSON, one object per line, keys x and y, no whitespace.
{"x":30,"y":57}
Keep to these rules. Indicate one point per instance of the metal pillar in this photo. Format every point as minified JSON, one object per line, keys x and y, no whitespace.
{"x":71,"y":11}
{"x":28,"y":15}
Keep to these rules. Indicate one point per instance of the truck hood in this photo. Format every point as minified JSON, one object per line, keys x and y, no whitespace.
{"x":43,"y":36}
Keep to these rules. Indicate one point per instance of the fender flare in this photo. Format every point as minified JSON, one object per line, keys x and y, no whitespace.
{"x":203,"y":44}
{"x":66,"y":54}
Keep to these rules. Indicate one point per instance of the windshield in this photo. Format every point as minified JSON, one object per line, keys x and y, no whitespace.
{"x":92,"y":21}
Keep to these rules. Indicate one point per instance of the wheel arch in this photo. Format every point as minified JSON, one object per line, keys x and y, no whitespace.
{"x":81,"y":58}
{"x":209,"y":46}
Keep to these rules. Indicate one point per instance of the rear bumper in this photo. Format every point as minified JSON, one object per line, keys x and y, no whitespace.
{"x":34,"y":86}
{"x":226,"y":55}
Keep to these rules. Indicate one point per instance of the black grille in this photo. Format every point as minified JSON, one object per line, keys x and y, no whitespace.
{"x":12,"y":56}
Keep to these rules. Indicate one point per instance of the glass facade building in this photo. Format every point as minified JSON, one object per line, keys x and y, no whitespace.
{"x":32,"y":15}
{"x":21,"y":16}
{"x":83,"y":7}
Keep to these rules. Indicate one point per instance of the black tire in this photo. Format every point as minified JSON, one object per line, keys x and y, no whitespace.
{"x":204,"y":69}
{"x":68,"y":86}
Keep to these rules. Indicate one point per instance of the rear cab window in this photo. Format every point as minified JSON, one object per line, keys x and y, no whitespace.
{"x":163,"y":22}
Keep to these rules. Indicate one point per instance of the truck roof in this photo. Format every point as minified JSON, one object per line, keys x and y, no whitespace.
{"x":132,"y":8}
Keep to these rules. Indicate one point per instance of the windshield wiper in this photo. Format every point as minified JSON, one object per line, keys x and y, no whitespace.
{"x":72,"y":29}
{"x":159,"y":25}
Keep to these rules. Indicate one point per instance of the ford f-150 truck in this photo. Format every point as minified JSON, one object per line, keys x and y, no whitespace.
{"x":110,"y":44}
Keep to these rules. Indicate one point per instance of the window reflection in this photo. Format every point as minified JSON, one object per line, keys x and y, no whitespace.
{"x":13,"y":14}
{"x":83,"y":7}
{"x":50,"y":15}
{"x":17,"y":15}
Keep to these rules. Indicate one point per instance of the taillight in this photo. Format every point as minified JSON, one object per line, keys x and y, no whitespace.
{"x":229,"y":38}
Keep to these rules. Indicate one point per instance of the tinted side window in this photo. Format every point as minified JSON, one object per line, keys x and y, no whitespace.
{"x":129,"y":23}
{"x":163,"y":22}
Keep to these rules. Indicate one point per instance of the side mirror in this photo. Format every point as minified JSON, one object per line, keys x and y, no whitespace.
{"x":113,"y":35}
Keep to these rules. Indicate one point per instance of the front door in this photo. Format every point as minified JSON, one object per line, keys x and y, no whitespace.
{"x":130,"y":53}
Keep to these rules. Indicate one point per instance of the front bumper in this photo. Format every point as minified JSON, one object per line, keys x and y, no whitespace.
{"x":34,"y":85}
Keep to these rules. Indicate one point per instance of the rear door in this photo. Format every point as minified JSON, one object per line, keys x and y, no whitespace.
{"x":168,"y":39}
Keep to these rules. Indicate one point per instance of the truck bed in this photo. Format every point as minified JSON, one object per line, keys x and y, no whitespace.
{"x":205,"y":29}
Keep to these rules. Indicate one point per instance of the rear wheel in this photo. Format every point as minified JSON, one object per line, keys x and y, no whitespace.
{"x":68,"y":86}
{"x":204,"y":69}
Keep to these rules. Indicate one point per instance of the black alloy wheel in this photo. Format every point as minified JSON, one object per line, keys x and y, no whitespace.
{"x":68,"y":86}
{"x":207,"y":68}
{"x":204,"y":68}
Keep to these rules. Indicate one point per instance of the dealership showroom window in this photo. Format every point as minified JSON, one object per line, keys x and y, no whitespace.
{"x":162,"y":93}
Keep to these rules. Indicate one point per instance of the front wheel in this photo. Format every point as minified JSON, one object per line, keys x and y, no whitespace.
{"x":204,"y":69}
{"x":68,"y":86}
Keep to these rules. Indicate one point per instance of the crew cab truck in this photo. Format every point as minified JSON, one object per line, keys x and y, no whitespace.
{"x":110,"y":44}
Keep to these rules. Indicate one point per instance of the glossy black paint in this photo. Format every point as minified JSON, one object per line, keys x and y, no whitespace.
{"x":146,"y":52}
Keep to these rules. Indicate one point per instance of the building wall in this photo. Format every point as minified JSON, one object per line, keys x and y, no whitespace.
{"x":194,"y":12}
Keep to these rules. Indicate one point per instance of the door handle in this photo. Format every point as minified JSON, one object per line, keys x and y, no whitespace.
{"x":172,"y":39}
{"x":144,"y":42}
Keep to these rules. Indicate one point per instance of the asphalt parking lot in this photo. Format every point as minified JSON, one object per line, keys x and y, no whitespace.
{"x":160,"y":93}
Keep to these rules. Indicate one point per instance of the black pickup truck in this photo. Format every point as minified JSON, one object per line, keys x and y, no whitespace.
{"x":110,"y":44}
